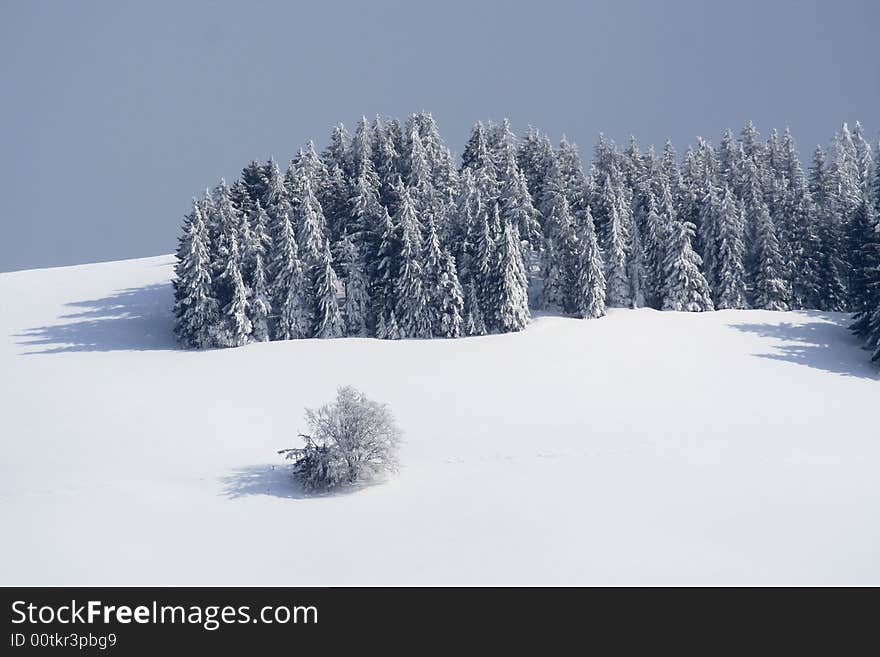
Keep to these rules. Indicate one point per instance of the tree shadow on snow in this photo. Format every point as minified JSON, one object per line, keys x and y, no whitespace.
{"x":274,"y":481}
{"x":825,"y":345}
{"x":134,"y":319}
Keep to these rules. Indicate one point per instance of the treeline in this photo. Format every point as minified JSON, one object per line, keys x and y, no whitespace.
{"x":382,"y":234}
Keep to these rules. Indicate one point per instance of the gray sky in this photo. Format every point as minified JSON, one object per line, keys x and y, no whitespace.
{"x":114,"y":114}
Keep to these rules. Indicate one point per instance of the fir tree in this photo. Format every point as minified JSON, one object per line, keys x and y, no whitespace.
{"x":411,"y":309}
{"x":311,"y":226}
{"x":195,"y":308}
{"x":771,"y":289}
{"x":831,"y":292}
{"x":236,"y":327}
{"x":590,"y":280}
{"x":511,"y":287}
{"x":259,"y":307}
{"x":328,"y":319}
{"x":449,"y":299}
{"x":686,"y":288}
{"x":617,"y":274}
{"x":290,"y":288}
{"x":474,"y":324}
{"x":357,"y":286}
{"x":731,"y":287}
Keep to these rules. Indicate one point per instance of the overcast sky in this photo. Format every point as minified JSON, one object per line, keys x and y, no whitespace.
{"x":114,"y":114}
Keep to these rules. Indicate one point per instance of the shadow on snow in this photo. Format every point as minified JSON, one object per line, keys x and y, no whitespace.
{"x":134,"y":319}
{"x":274,"y":481}
{"x":823,"y":345}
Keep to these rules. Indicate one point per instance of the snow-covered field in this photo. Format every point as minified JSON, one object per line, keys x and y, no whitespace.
{"x":735,"y":447}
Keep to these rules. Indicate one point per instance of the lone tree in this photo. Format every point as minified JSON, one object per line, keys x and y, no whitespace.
{"x":351,"y":440}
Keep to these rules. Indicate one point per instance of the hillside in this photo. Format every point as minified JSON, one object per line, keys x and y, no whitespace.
{"x":732,"y":447}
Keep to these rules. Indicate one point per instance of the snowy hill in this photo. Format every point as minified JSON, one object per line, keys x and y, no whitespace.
{"x":728,"y":447}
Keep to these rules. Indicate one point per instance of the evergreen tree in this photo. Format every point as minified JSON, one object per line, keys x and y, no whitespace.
{"x":864,"y":249}
{"x":411,"y":308}
{"x":195,"y":308}
{"x":311,"y":226}
{"x":259,"y":307}
{"x":481,"y":265}
{"x":253,"y":176}
{"x":654,"y":238}
{"x":686,"y":288}
{"x":275,"y":190}
{"x":337,"y":153}
{"x":289,"y":288}
{"x":511,"y":286}
{"x":831,"y":292}
{"x":449,"y":299}
{"x":617,"y":274}
{"x":328,"y":319}
{"x":731,"y":287}
{"x":357,"y":289}
{"x":589,"y":280}
{"x":236,"y":327}
{"x":474,"y":323}
{"x":383,"y":290}
{"x":558,"y":253}
{"x":533,"y":157}
{"x":771,"y":289}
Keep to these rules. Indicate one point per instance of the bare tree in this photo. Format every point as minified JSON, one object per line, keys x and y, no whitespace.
{"x":352,"y":439}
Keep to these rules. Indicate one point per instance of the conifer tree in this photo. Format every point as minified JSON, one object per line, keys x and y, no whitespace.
{"x":617,"y":275}
{"x":533,"y":157}
{"x":864,"y":250}
{"x":654,"y":237}
{"x":195,"y":308}
{"x":730,"y":281}
{"x":481,"y":264}
{"x":449,"y":299}
{"x":311,"y":226}
{"x":771,"y":288}
{"x":686,"y":288}
{"x":589,"y":289}
{"x":236,"y":327}
{"x":259,"y":307}
{"x":337,"y":152}
{"x":253,"y":176}
{"x":357,"y":289}
{"x":474,"y":323}
{"x":511,"y":286}
{"x":328,"y":318}
{"x":411,"y":308}
{"x":289,"y":286}
{"x":383,"y":291}
{"x":831,"y":292}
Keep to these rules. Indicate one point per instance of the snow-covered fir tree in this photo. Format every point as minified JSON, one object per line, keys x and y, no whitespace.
{"x":686,"y":288}
{"x":195,"y":308}
{"x":618,"y":291}
{"x":831,"y":292}
{"x":328,"y":321}
{"x":511,"y":285}
{"x":411,"y":312}
{"x":589,"y":283}
{"x":449,"y":300}
{"x":730,"y":292}
{"x":290,"y":288}
{"x":235,"y":325}
{"x":259,"y":306}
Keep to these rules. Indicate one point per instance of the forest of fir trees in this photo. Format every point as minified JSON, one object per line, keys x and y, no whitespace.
{"x":383,"y":234}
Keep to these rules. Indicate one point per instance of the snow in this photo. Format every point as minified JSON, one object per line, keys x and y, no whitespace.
{"x":732,"y":447}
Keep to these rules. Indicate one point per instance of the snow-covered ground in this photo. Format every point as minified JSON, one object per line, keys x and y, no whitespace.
{"x":734,"y":447}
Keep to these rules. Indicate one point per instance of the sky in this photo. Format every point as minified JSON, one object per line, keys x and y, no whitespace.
{"x":114,"y":114}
